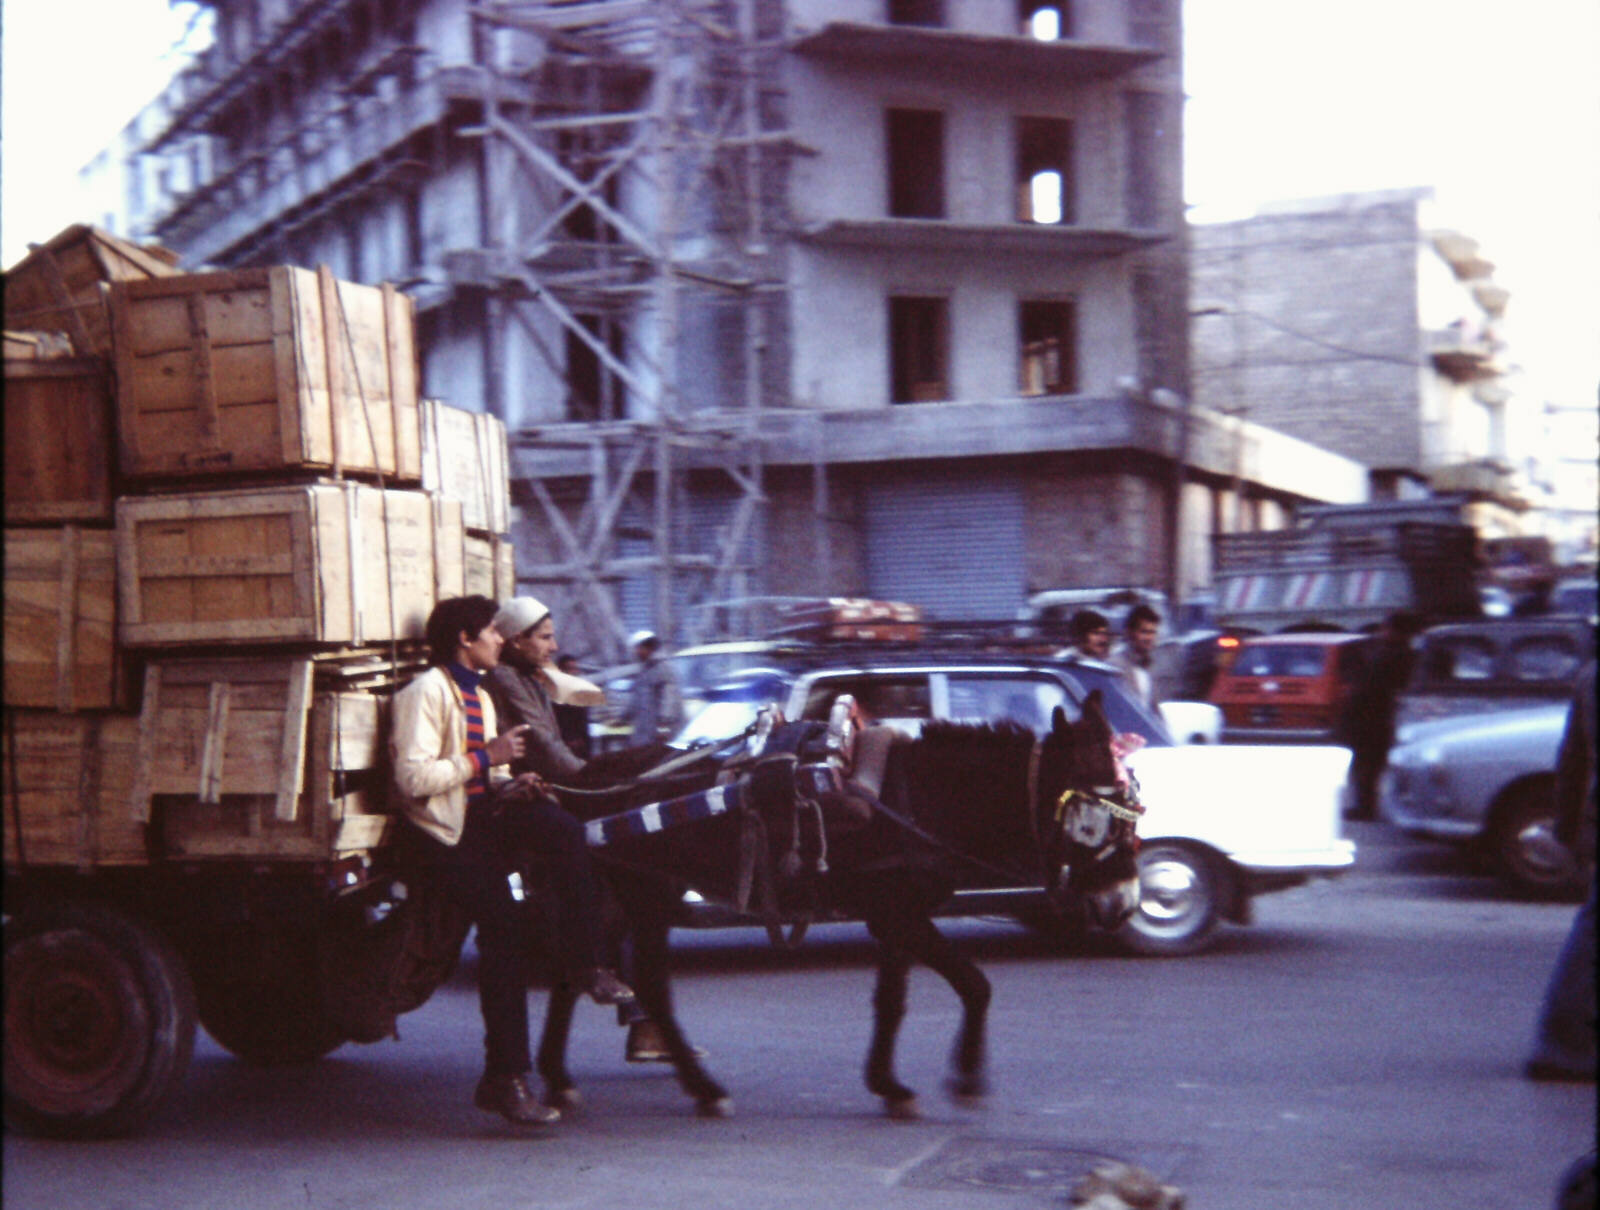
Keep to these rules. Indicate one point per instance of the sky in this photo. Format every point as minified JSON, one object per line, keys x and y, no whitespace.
{"x":1494,"y":104}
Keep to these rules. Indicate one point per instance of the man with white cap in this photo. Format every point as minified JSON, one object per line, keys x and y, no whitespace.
{"x":527,"y":686}
{"x":655,"y":703}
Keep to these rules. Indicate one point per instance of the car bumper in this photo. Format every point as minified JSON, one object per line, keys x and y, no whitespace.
{"x":1272,"y":864}
{"x":1276,"y":735}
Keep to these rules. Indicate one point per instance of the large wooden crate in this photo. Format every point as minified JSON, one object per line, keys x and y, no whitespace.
{"x":320,"y":563}
{"x":60,"y":615}
{"x":61,"y":286}
{"x":248,"y":759}
{"x":67,"y":783}
{"x":489,"y":567}
{"x":265,"y":370}
{"x":59,"y":444}
{"x":465,"y":457}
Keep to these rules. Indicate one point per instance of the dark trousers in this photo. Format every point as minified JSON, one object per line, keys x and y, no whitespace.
{"x":502,"y":833}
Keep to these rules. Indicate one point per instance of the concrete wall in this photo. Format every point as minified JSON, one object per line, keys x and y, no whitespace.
{"x":1318,"y":332}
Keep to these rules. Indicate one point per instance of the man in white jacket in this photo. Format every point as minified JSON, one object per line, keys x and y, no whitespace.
{"x":452,"y":781}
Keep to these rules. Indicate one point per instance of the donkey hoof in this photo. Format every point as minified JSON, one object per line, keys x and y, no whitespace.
{"x":902,"y":1109}
{"x":967,"y":1088}
{"x":568,"y":1100}
{"x":715,"y":1107}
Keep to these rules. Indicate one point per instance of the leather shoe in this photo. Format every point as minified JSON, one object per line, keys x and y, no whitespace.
{"x":603,"y":987}
{"x":512,"y":1099}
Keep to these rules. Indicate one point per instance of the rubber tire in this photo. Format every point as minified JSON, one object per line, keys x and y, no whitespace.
{"x":275,"y":1021}
{"x":1180,"y":902}
{"x":1526,"y":807}
{"x":99,"y":1024}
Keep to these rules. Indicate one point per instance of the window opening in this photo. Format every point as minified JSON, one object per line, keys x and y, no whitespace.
{"x":594,"y":392}
{"x":916,"y":163}
{"x":1045,"y":22}
{"x":1044,"y":170}
{"x":916,"y":12}
{"x":1048,"y":332}
{"x":918,"y":350}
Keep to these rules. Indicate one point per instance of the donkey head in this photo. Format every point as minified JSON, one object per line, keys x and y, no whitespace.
{"x":1086,"y":819}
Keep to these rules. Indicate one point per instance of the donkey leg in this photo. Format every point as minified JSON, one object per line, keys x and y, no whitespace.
{"x":888,"y":1010}
{"x":652,"y":984}
{"x":559,"y":1089}
{"x":968,"y":1078}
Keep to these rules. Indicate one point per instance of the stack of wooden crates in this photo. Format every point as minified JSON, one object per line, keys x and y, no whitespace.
{"x":228,"y":516}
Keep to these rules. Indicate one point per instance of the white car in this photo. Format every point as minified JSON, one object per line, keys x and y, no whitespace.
{"x":1222,"y":823}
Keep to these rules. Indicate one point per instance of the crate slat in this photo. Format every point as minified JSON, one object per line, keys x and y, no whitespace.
{"x":59,"y":443}
{"x":70,"y":791}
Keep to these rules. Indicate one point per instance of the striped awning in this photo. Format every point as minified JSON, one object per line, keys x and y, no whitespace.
{"x":659,"y":816}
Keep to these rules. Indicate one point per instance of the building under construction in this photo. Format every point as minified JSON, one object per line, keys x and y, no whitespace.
{"x":776,"y":297}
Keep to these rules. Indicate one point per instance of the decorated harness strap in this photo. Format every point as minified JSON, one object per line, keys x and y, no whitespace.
{"x":660,"y":816}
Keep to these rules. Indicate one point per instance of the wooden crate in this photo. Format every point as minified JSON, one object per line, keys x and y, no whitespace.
{"x":320,"y":563}
{"x":60,"y":286}
{"x":60,"y":615}
{"x":265,"y":370}
{"x":58,"y":441}
{"x":67,"y":783}
{"x":489,"y":566}
{"x":465,"y":457}
{"x":449,"y":548}
{"x":246,"y":759}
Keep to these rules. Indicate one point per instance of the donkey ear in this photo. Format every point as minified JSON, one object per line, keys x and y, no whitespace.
{"x":1094,"y":704}
{"x":1058,"y":722}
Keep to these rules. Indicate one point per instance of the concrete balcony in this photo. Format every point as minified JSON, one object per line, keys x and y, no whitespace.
{"x":1464,"y":354}
{"x":1212,"y":445}
{"x":940,"y":50}
{"x":937,"y":235}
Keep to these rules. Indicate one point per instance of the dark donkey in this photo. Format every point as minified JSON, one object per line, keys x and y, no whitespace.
{"x":1047,"y":811}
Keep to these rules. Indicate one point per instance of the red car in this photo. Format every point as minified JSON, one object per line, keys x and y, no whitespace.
{"x":1286,"y":687}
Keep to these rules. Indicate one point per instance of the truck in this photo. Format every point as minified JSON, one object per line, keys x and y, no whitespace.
{"x":1347,"y":567}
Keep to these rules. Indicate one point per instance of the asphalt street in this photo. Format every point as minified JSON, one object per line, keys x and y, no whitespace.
{"x":1359,"y":1046}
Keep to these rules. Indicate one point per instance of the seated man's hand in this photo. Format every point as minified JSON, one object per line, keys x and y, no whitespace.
{"x":507,"y":746}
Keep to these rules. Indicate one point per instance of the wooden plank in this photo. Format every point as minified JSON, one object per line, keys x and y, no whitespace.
{"x":60,"y":619}
{"x":214,"y":748}
{"x":401,"y":345}
{"x":292,"y":761}
{"x":449,"y":548}
{"x":58,"y":446}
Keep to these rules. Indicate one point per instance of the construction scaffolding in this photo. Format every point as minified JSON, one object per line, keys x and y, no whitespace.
{"x":652,"y":133}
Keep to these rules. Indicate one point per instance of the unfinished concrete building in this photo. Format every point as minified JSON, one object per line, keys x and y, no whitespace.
{"x":777,"y":297}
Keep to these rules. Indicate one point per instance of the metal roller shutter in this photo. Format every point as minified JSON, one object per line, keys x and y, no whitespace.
{"x":952,"y":544}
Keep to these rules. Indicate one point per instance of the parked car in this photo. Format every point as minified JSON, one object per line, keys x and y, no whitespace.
{"x":1222,"y":824}
{"x":1286,"y":687}
{"x":1474,"y":667}
{"x":1485,"y":780}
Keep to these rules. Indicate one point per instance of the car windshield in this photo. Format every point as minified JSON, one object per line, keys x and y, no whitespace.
{"x":1280,"y":659}
{"x":1123,"y":712}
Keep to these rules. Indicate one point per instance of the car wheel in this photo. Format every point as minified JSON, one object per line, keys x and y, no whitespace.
{"x":1523,"y":846}
{"x":99,"y":1024}
{"x":1180,"y":899}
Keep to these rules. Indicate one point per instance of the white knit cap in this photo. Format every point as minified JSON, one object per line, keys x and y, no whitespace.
{"x":640,"y":636}
{"x":519,"y":614}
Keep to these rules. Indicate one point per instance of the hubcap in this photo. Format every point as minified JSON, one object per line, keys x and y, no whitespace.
{"x":1169,"y":890}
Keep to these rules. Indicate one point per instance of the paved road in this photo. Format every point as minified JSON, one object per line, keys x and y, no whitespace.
{"x":1359,"y":1046}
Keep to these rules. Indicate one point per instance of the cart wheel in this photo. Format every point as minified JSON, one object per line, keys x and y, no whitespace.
{"x":99,"y":1025}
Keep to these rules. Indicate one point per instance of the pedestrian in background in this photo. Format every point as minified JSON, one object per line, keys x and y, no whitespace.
{"x":1090,"y":635}
{"x":571,"y":718}
{"x":1366,"y":725}
{"x":1565,"y":1046}
{"x":655,"y":703}
{"x":1136,"y":652}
